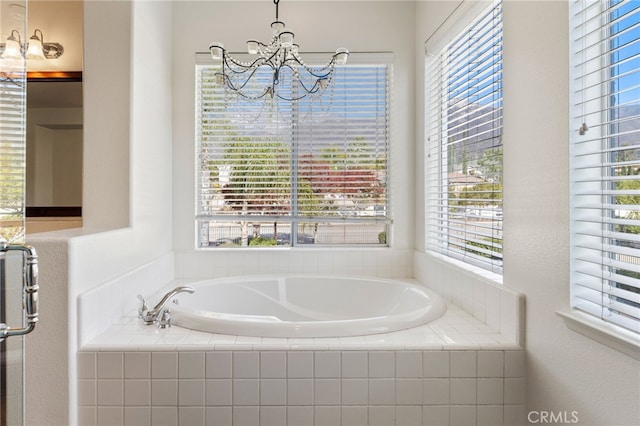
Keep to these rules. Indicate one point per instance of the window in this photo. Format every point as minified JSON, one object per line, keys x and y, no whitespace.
{"x":464,"y":138}
{"x":308,"y":173}
{"x":605,"y":161}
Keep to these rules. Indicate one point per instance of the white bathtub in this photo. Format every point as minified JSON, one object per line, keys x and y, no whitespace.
{"x":305,"y":306}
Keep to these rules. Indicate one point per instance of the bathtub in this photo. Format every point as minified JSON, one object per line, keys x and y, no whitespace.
{"x":305,"y":306}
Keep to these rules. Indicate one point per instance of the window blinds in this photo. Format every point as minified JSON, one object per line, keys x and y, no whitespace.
{"x":464,"y":141}
{"x":320,"y":160}
{"x":605,"y":160}
{"x":12,"y":156}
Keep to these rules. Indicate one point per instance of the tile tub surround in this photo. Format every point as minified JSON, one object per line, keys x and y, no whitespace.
{"x":453,"y":371}
{"x":296,"y":388}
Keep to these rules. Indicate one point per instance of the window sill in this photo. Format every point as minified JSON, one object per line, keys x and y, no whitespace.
{"x":608,"y":334}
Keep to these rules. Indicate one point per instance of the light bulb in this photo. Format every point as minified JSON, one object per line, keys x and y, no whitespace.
{"x":341,"y":56}
{"x":12,"y":49}
{"x":34,"y":49}
{"x":217,"y":50}
{"x":286,"y":39}
{"x":252,"y":47}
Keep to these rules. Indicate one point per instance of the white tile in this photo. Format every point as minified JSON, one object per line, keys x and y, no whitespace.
{"x":462,"y":415}
{"x":382,"y":415}
{"x":462,"y":363}
{"x":509,"y":314}
{"x":490,"y":363}
{"x":299,"y":416}
{"x":354,"y":415}
{"x":515,"y":364}
{"x":408,"y":391}
{"x":110,"y":392}
{"x":164,"y":392}
{"x":137,"y":392}
{"x":515,"y":415}
{"x":490,"y":391}
{"x":164,"y":416}
{"x":273,"y":416}
{"x":462,"y":391}
{"x":137,"y":416}
{"x":299,"y":391}
{"x":326,"y":415}
{"x":479,"y":300}
{"x":382,"y":391}
{"x":354,"y":364}
{"x":435,"y":391}
{"x":300,"y":364}
{"x":514,"y":390}
{"x":164,"y":365}
{"x":489,"y":415}
{"x":355,"y":392}
{"x":435,"y":363}
{"x":110,"y":365}
{"x":87,"y":392}
{"x":467,"y":292}
{"x":326,"y":392}
{"x":492,"y":316}
{"x":109,"y":416}
{"x":408,"y":364}
{"x":246,"y":416}
{"x":137,"y":365}
{"x":191,"y":365}
{"x":327,"y":364}
{"x":246,"y":365}
{"x":435,"y":415}
{"x":87,"y":365}
{"x":246,"y":392}
{"x":273,"y":365}
{"x":191,"y":416}
{"x":409,"y":415}
{"x":218,"y":416}
{"x":218,"y":365}
{"x":382,"y":364}
{"x":219,"y":391}
{"x":87,"y":416}
{"x":273,"y":392}
{"x":191,"y":392}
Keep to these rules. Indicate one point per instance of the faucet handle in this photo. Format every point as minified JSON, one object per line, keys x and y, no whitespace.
{"x":165,"y":319}
{"x":143,"y":306}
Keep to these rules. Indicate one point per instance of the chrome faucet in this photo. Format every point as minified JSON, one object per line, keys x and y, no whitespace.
{"x":159,"y":313}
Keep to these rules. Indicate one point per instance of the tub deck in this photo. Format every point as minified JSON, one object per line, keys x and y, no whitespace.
{"x":455,"y":330}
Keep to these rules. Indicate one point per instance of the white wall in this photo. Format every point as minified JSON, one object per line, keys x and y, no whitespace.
{"x":127,"y":194}
{"x":566,"y":371}
{"x":318,"y":26}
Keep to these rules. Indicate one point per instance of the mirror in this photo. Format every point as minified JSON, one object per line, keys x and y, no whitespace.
{"x":54,"y":151}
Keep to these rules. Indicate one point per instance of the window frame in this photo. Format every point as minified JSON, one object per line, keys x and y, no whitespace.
{"x":438,"y":183}
{"x":292,"y":221}
{"x":593,"y":195}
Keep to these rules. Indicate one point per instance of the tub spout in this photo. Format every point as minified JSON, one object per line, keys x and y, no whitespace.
{"x":151,"y":316}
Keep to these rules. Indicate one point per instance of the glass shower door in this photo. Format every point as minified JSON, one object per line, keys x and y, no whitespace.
{"x":13,"y":265}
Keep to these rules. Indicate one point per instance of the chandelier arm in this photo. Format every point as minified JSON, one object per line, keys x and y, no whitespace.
{"x":317,"y":74}
{"x":229,"y":84}
{"x":314,"y":89}
{"x":229,"y":59}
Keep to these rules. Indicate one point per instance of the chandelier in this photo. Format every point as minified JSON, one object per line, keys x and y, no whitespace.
{"x":275,"y":69}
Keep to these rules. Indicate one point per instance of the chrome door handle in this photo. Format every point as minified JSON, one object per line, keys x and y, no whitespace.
{"x":30,"y":290}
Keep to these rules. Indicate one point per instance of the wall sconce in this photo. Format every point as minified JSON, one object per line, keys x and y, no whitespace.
{"x":37,"y":48}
